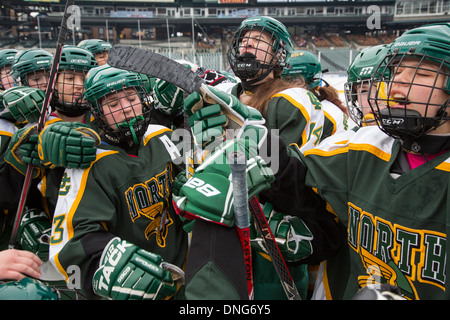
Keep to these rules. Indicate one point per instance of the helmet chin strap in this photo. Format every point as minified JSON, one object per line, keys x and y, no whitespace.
{"x":129,"y":124}
{"x":412,"y":129}
{"x":247,"y":67}
{"x":72,"y":110}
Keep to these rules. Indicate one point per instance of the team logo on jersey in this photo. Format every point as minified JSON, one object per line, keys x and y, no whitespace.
{"x":395,"y":254}
{"x":151,"y":200}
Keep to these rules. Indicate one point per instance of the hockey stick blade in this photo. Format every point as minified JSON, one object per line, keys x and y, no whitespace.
{"x":155,"y":65}
{"x":158,"y":66}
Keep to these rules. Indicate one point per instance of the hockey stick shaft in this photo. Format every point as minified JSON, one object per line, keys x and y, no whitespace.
{"x":238,"y":165}
{"x":274,"y":252}
{"x":45,"y":106}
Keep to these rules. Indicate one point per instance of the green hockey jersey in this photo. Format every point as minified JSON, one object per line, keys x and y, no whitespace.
{"x":396,"y":223}
{"x":119,"y":195}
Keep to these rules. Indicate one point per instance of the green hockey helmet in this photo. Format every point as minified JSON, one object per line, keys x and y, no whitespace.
{"x":75,"y":58}
{"x":74,"y":64}
{"x":26,"y":289}
{"x":111,"y":92}
{"x":6,"y":59}
{"x":423,"y":50}
{"x":245,"y":65}
{"x":99,"y":48}
{"x":27,"y":64}
{"x":304,"y":64}
{"x":359,"y":75}
{"x":95,"y":45}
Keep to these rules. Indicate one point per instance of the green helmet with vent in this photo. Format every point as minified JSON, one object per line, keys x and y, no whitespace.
{"x":95,"y":45}
{"x":7,"y":57}
{"x":304,"y":64}
{"x":245,"y":65}
{"x":359,"y":74}
{"x":105,"y":83}
{"x":75,"y":58}
{"x":423,"y":51}
{"x":29,"y":62}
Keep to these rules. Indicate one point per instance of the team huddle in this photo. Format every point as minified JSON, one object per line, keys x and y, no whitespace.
{"x":355,"y":192}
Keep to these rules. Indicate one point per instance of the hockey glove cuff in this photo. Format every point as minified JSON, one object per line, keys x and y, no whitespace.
{"x":129,"y":273}
{"x":24,"y":103}
{"x":68,"y":144}
{"x":22,"y":151}
{"x":34,"y":233}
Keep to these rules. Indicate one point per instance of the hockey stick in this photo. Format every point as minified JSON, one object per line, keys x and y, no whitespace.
{"x":48,"y":95}
{"x":156,"y":65}
{"x":274,"y":252}
{"x":238,"y":165}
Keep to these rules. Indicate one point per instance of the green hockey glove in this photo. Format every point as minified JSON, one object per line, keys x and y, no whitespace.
{"x":208,"y":193}
{"x":22,"y":151}
{"x":239,"y":119}
{"x":129,"y":273}
{"x":291,"y":234}
{"x":68,"y":144}
{"x":168,"y":97}
{"x":24,"y":103}
{"x":34,"y":233}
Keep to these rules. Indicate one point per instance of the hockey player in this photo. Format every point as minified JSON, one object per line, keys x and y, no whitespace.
{"x":99,"y":48}
{"x":396,"y":212}
{"x":258,"y":54}
{"x":31,"y":68}
{"x":358,"y":83}
{"x":6,"y":58}
{"x":25,"y":103}
{"x":115,"y":217}
{"x":306,"y":70}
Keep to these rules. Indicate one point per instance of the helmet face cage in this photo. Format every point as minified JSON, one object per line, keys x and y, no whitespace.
{"x":269,"y":52}
{"x":68,"y":94}
{"x":124,"y":114}
{"x":36,"y":79}
{"x":356,"y":97}
{"x":6,"y":81}
{"x":392,"y":110}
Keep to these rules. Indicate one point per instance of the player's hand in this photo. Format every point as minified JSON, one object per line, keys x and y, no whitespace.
{"x":68,"y":144}
{"x":129,"y":273}
{"x":24,"y":103}
{"x":208,"y":193}
{"x":17,"y":264}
